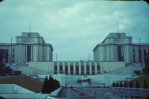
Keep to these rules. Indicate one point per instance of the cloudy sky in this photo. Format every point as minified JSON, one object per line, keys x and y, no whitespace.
{"x":74,"y":27}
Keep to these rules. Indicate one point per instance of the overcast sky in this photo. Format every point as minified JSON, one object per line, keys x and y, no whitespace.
{"x":74,"y":27}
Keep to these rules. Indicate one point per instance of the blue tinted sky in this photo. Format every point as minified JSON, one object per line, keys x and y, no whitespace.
{"x":74,"y":28}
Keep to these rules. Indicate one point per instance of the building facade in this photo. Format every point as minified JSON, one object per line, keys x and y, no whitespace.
{"x":113,"y":53}
{"x":28,"y":47}
{"x":119,"y":47}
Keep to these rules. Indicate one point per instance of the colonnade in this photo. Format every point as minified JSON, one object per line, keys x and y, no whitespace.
{"x":77,"y":68}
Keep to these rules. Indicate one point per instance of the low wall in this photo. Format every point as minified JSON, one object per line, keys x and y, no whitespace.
{"x":97,"y":79}
{"x":107,"y":79}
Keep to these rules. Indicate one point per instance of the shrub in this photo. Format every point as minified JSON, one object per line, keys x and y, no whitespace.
{"x":50,"y":85}
{"x":137,"y":84}
{"x":131,"y":86}
{"x":113,"y":84}
{"x":145,"y":84}
{"x":121,"y":85}
{"x":125,"y":84}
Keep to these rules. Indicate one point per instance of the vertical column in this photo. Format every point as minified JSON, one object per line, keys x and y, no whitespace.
{"x":102,"y":53}
{"x":108,"y":53}
{"x":15,"y":55}
{"x":84,"y":67}
{"x":134,"y":53}
{"x":112,"y":53}
{"x":142,"y":55}
{"x":63,"y":71}
{"x":21,"y":53}
{"x":79,"y":68}
{"x":58,"y":68}
{"x":74,"y":68}
{"x":90,"y":67}
{"x":137,"y":54}
{"x":95,"y":69}
{"x":37,"y":53}
{"x":98,"y":54}
{"x":131,"y":54}
{"x":127,"y":53}
{"x":101,"y":67}
{"x":68,"y":68}
{"x":40,"y":53}
{"x":95,"y":55}
{"x":48,"y":53}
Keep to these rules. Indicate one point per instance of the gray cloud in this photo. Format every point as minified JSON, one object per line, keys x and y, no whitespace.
{"x":73,"y":27}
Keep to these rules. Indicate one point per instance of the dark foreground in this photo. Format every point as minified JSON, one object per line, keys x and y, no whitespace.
{"x":103,"y":93}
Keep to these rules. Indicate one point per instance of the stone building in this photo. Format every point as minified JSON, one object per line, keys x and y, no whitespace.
{"x":28,"y":47}
{"x":116,"y":51}
{"x":119,"y":47}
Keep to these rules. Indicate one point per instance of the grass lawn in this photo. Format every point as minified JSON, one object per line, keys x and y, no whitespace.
{"x":25,"y":82}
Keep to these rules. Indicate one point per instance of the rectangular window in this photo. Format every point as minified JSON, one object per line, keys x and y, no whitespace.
{"x":71,"y":68}
{"x":82,"y":69}
{"x":66,"y":69}
{"x":87,"y":68}
{"x":133,"y":51}
{"x":77,"y":68}
{"x":98,"y":68}
{"x":119,"y":53}
{"x":93,"y":68}
{"x":61,"y":67}
{"x":55,"y":68}
{"x":6,"y":55}
{"x":134,"y":58}
{"x":28,"y":53}
{"x":144,"y":52}
{"x":140,"y":59}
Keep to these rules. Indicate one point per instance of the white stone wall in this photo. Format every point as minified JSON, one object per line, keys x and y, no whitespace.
{"x":44,"y":66}
{"x":28,"y":70}
{"x":110,"y":66}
